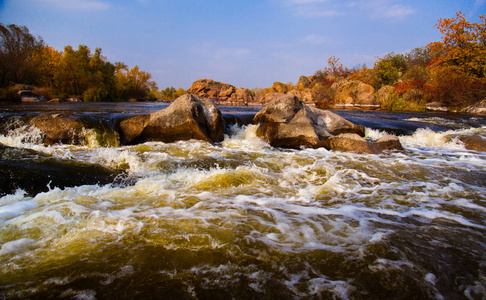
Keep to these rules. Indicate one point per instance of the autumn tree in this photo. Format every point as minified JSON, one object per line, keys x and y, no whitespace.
{"x":133,"y":83}
{"x":17,"y":50}
{"x":458,"y":67}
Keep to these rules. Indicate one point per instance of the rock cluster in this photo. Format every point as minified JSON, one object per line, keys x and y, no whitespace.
{"x":352,"y":93}
{"x":288,"y":122}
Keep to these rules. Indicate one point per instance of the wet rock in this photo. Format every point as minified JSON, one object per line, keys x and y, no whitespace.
{"x":288,"y":122}
{"x":69,"y":129}
{"x":188,"y":117}
{"x":34,"y":172}
{"x":473,"y":142}
{"x":354,"y":142}
{"x":59,"y":128}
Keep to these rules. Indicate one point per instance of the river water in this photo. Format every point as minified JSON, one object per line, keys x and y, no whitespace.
{"x":243,"y":220}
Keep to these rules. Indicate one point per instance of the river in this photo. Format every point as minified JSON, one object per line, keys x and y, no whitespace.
{"x":241,"y":219}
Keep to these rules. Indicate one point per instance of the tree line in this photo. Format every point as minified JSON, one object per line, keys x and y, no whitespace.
{"x":451,"y":71}
{"x":27,"y":60}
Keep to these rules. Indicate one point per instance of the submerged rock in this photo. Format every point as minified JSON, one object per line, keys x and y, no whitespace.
{"x":287,"y":122}
{"x":69,"y":129}
{"x":188,"y":117}
{"x":473,"y":142}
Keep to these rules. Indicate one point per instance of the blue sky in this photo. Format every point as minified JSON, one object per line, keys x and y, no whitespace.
{"x":246,"y":43}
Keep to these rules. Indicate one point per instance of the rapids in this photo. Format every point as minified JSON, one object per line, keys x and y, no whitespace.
{"x":243,"y":220}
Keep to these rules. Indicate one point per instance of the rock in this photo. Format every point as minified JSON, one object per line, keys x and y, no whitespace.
{"x":306,"y":95}
{"x":477,"y":108}
{"x":288,"y":122}
{"x":354,"y":142}
{"x":55,"y":100}
{"x":243,"y":95}
{"x":349,"y":142}
{"x":279,"y":87}
{"x":59,"y":128}
{"x":211,"y":89}
{"x":384,"y":93}
{"x":269,"y":97}
{"x":188,"y":117}
{"x":387,"y":143}
{"x":67,"y":129}
{"x":354,"y":94}
{"x":303,"y":83}
{"x":436,"y":106}
{"x":73,"y":99}
{"x":473,"y":142}
{"x":28,"y":96}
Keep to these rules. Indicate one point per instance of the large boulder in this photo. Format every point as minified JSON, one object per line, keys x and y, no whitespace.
{"x":288,"y":122}
{"x":188,"y":117}
{"x":354,"y":94}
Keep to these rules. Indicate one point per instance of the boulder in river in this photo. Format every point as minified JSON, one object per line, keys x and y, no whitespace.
{"x":188,"y":117}
{"x":287,"y":122}
{"x":478,"y":108}
{"x":473,"y":142}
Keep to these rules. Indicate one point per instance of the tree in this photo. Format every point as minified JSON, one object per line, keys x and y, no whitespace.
{"x":462,"y":46}
{"x":458,"y":66}
{"x":388,"y":69}
{"x":17,"y":50}
{"x":132,"y":83}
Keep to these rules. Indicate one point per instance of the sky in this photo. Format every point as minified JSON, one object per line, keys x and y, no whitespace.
{"x":246,"y":43}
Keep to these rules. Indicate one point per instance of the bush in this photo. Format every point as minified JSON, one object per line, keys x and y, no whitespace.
{"x":10,"y":94}
{"x":97,"y":95}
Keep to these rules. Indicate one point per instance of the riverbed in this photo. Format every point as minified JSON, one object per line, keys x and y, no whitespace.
{"x":243,"y":220}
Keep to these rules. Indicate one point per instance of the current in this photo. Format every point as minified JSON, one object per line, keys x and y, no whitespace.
{"x":244,"y":220}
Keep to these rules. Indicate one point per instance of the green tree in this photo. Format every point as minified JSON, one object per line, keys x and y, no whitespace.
{"x":133,"y":83}
{"x":388,"y":69}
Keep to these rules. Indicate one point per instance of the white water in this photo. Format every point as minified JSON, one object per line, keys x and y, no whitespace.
{"x":312,"y":222}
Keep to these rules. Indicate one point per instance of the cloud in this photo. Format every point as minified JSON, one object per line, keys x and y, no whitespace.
{"x":314,"y":39}
{"x":85,"y":5}
{"x":387,"y":9}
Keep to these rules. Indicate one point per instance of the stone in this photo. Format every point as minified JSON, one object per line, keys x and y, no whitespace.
{"x":59,"y":128}
{"x":476,"y":109}
{"x":214,"y":90}
{"x":387,"y":143}
{"x":350,"y":94}
{"x":473,"y":142}
{"x":28,"y":96}
{"x":303,"y":83}
{"x":356,"y":143}
{"x":436,"y":106}
{"x":188,"y":117}
{"x":287,"y":122}
{"x":279,"y":87}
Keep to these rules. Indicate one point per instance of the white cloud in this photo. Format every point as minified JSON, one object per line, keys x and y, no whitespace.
{"x":387,"y":9}
{"x":85,"y":5}
{"x":314,"y":39}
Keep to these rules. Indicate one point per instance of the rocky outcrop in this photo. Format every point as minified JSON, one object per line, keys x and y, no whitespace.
{"x":220,"y":92}
{"x":477,"y":108}
{"x":188,"y":117}
{"x":436,"y":106}
{"x":354,"y":94}
{"x":279,"y":87}
{"x":303,"y":83}
{"x":287,"y":122}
